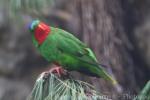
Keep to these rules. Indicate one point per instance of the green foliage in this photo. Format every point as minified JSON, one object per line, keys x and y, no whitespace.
{"x":145,"y":93}
{"x":21,"y":12}
{"x":16,"y":9}
{"x":49,"y":87}
{"x":30,"y":6}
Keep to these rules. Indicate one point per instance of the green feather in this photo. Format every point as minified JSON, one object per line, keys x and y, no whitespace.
{"x":35,"y":43}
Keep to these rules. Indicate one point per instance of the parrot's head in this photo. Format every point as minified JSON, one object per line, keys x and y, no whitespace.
{"x":40,"y":30}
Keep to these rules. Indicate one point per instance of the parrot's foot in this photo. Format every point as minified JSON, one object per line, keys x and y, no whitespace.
{"x":60,"y":71}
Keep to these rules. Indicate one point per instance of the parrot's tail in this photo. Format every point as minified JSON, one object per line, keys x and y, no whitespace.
{"x":116,"y":85}
{"x":107,"y":75}
{"x":110,"y":78}
{"x":99,"y":70}
{"x":113,"y":81}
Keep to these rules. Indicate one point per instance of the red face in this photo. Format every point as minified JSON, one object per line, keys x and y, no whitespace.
{"x":41,"y":32}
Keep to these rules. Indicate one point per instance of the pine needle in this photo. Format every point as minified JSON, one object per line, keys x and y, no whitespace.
{"x":49,"y":87}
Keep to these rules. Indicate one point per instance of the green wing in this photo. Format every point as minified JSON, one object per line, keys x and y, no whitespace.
{"x":70,"y":36}
{"x":73,"y":46}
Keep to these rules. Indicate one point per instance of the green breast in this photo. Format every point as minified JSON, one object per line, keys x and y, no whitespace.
{"x":48,"y":49}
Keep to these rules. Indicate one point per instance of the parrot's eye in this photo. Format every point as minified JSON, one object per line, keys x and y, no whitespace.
{"x":33,"y":25}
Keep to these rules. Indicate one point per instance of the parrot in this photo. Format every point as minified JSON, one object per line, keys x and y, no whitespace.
{"x":62,"y":48}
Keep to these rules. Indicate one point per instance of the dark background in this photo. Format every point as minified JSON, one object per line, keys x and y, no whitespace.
{"x":118,"y":31}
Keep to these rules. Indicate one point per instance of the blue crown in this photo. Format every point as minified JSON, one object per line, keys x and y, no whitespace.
{"x":33,"y":25}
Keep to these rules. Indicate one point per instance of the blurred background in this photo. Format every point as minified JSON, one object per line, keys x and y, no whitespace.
{"x":118,"y":31}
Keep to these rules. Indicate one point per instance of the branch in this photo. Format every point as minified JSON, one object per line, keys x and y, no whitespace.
{"x":49,"y":87}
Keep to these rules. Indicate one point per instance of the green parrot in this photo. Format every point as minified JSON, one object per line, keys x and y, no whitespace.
{"x":62,"y":48}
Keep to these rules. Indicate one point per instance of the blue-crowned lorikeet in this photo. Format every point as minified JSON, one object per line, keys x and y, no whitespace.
{"x":62,"y":48}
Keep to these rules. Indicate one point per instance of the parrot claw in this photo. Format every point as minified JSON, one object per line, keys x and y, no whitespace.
{"x":58,"y":70}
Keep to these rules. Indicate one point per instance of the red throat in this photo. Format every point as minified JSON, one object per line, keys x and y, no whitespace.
{"x":41,"y":32}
